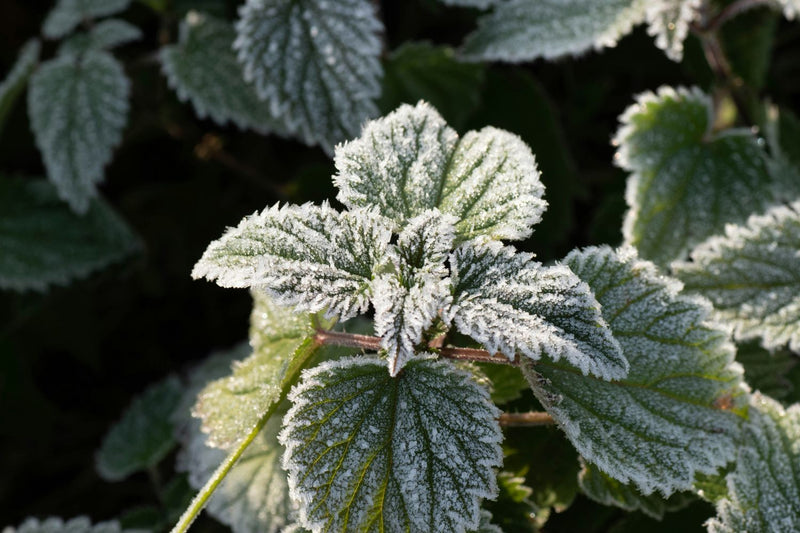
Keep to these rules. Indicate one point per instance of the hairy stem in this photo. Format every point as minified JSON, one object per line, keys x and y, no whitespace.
{"x":366,"y":342}
{"x":533,"y":418}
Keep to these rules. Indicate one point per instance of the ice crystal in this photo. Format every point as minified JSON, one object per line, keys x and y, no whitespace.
{"x":68,"y":14}
{"x":411,"y":161}
{"x":522,"y":30}
{"x":78,"y":108}
{"x":81,"y":524}
{"x":686,"y":183}
{"x":668,"y":21}
{"x":764,"y":489}
{"x":511,"y":304}
{"x":752,"y":276}
{"x":315,"y":61}
{"x":369,"y":452}
{"x":677,"y":412}
{"x":104,"y":35}
{"x":202,"y":68}
{"x":312,"y":257}
{"x":44,"y":243}
{"x":17,"y":77}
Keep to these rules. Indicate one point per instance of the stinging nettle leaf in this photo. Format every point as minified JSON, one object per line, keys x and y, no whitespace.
{"x":752,"y":276}
{"x":80,"y":524}
{"x":764,"y":489}
{"x":369,"y":452}
{"x":17,"y":78}
{"x":78,"y":108}
{"x":481,"y":4}
{"x":686,"y":183}
{"x":68,"y":14}
{"x":105,"y":35}
{"x":44,"y":243}
{"x":511,"y":304}
{"x":668,"y":21}
{"x":307,"y":256}
{"x":523,"y":30}
{"x":677,"y":412}
{"x":315,"y":61}
{"x":202,"y":68}
{"x":411,"y":161}
{"x":144,"y":434}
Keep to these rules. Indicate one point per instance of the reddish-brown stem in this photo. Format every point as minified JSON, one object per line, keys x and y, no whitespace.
{"x":533,"y":418}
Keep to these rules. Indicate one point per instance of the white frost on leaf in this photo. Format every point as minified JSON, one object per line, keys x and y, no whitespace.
{"x":81,"y":524}
{"x":412,"y":294}
{"x":764,"y":489}
{"x":366,"y":451}
{"x":511,"y":304}
{"x":752,"y":276}
{"x":315,"y":61}
{"x":669,"y":21}
{"x":523,"y":30}
{"x":202,"y":68}
{"x":78,"y":108}
{"x":68,"y":14}
{"x":307,"y":256}
{"x":686,"y":183}
{"x":678,"y":411}
{"x":481,"y":4}
{"x":17,"y":77}
{"x":104,"y":35}
{"x":411,"y":161}
{"x":791,"y":8}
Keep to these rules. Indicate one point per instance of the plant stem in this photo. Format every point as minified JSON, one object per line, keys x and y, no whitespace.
{"x":730,"y":11}
{"x":533,"y":418}
{"x":366,"y":342}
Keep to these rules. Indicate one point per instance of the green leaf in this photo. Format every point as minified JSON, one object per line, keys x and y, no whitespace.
{"x":80,"y":524}
{"x":513,"y":509}
{"x":604,"y":489}
{"x":144,"y":434}
{"x":747,"y":41}
{"x":104,"y":35}
{"x":202,"y":69}
{"x":68,"y":14}
{"x":686,"y":181}
{"x":366,"y":451}
{"x":521,"y":30}
{"x":485,"y":525}
{"x":752,"y":276}
{"x":421,"y":71}
{"x":767,"y":371}
{"x":17,"y":78}
{"x":511,"y":305}
{"x":677,"y":412}
{"x":78,"y":108}
{"x":311,"y":257}
{"x":315,"y":61}
{"x":507,"y":382}
{"x":712,"y":488}
{"x":411,"y":161}
{"x":44,"y":243}
{"x":765,"y":486}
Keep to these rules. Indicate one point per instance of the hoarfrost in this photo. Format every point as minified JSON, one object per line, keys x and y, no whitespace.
{"x":68,"y":14}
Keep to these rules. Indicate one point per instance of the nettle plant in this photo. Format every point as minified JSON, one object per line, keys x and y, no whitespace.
{"x":385,"y":336}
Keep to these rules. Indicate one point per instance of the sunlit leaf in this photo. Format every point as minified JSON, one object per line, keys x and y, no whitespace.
{"x":678,"y":411}
{"x":411,"y":161}
{"x":669,"y":21}
{"x":511,"y":305}
{"x":414,"y":453}
{"x":44,"y":243}
{"x":78,"y":108}
{"x":68,"y":14}
{"x":17,"y":78}
{"x":686,"y":182}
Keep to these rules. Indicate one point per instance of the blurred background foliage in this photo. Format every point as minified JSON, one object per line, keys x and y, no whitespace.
{"x":72,"y":358}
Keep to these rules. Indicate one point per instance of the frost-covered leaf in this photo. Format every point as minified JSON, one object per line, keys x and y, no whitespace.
{"x":523,"y":30}
{"x":104,"y":35}
{"x":312,"y":257}
{"x":411,"y":161}
{"x":485,"y":525}
{"x":677,"y":412}
{"x":668,"y":21}
{"x":81,"y":524}
{"x":17,"y":78}
{"x":791,"y":8}
{"x":765,"y":487}
{"x":511,"y":304}
{"x":78,"y":108}
{"x":765,"y":371}
{"x":44,"y":243}
{"x":369,"y":452}
{"x":752,"y":276}
{"x":202,"y":68}
{"x":686,"y":182}
{"x":144,"y":435}
{"x":481,"y":4}
{"x":315,"y":61}
{"x":67,"y":14}
{"x":604,"y":489}
{"x":411,"y":295}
